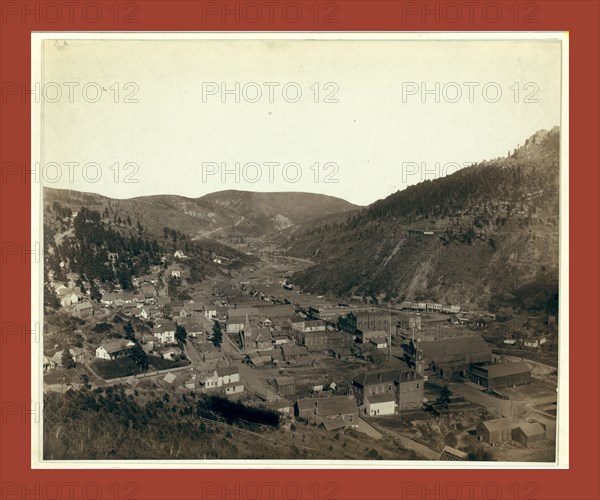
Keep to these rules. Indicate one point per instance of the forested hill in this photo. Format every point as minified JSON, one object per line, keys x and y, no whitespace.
{"x":111,"y":250}
{"x":485,"y":235}
{"x":223,"y":214}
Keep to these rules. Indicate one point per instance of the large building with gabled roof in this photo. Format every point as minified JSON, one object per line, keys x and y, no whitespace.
{"x":496,"y":376}
{"x":449,"y":356}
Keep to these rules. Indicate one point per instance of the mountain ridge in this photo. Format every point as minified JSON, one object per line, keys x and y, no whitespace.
{"x":485,"y":235}
{"x":227,"y":213}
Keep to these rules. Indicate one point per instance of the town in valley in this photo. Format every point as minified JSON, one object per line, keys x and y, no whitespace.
{"x":219,"y":342}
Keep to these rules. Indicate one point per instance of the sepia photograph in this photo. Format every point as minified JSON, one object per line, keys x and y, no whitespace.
{"x":300,"y":249}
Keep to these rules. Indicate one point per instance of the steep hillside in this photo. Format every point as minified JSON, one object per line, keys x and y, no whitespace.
{"x":486,"y":235}
{"x":222,"y":214}
{"x":108,"y":252}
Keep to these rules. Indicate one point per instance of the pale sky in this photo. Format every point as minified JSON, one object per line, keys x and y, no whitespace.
{"x":179,"y":133}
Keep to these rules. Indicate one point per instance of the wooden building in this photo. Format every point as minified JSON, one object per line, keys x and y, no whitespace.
{"x":495,"y":431}
{"x":529,"y":434}
{"x":496,"y":376}
{"x":404,"y":383}
{"x":448,"y":357}
{"x":335,"y":412}
{"x":285,"y":386}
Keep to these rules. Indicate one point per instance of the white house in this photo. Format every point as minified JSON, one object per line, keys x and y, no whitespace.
{"x":171,"y":353}
{"x":175,"y":271}
{"x":210,"y":381}
{"x":113,"y":349}
{"x":144,"y":313}
{"x":534,"y":342}
{"x":379,"y":342}
{"x":228,"y":375}
{"x":314,"y":326}
{"x":226,"y":379}
{"x":210,"y":311}
{"x":380,"y":404}
{"x":164,"y":331}
{"x":69,"y":299}
{"x":229,"y":380}
{"x":179,"y":255}
{"x":235,"y":324}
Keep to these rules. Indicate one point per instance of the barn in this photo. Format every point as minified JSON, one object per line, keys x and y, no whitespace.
{"x":285,"y":386}
{"x":496,"y":376}
{"x":448,"y":357}
{"x":529,"y":434}
{"x":495,"y":431}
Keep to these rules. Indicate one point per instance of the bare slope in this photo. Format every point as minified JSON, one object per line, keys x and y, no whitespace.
{"x":486,"y":235}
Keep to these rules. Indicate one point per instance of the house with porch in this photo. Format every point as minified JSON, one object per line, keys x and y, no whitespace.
{"x":113,"y":349}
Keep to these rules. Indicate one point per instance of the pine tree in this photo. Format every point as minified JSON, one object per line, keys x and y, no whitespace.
{"x":217,"y":334}
{"x":180,"y":334}
{"x":444,"y":398}
{"x":67,"y":359}
{"x":95,"y":292}
{"x":130,"y":332}
{"x":139,"y":356}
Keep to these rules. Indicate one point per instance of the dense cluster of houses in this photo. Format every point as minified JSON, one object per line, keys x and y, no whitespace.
{"x":272,"y":332}
{"x":372,"y":393}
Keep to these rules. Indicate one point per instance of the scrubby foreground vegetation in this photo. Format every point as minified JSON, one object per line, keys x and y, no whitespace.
{"x":117,"y":423}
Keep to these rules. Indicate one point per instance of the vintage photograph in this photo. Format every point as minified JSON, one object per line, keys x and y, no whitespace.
{"x":311,"y":248}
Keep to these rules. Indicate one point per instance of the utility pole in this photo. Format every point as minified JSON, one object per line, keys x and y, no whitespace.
{"x":390,"y":340}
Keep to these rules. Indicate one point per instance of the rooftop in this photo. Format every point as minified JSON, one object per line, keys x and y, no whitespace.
{"x":376,"y":377}
{"x":283,"y":381}
{"x":223,"y":371}
{"x":336,"y":405}
{"x":503,"y":369}
{"x":381,"y":398}
{"x":532,"y":429}
{"x":115,"y":345}
{"x":294,"y":350}
{"x":456,"y":346}
{"x":499,"y":424}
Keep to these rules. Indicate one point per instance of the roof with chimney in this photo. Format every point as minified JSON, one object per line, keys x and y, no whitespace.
{"x":377,"y":377}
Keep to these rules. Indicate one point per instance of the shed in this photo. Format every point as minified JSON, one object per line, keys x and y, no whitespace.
{"x":495,"y":431}
{"x":529,"y":434}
